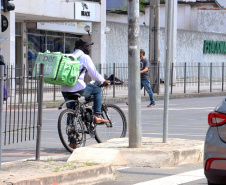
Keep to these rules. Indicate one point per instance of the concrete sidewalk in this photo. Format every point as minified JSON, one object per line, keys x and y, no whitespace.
{"x":106,"y":158}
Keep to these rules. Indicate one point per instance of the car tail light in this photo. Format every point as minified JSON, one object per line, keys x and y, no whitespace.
{"x":219,"y":163}
{"x":216,"y":119}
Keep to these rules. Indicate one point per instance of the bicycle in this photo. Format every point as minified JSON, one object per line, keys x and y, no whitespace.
{"x":74,"y":124}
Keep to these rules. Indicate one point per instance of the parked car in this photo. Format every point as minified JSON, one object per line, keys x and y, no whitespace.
{"x":215,"y":146}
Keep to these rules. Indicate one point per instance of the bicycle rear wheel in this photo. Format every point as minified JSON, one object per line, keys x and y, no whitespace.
{"x":117,"y":126}
{"x":71,"y":130}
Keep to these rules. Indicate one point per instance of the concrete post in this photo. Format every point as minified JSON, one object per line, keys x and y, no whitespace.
{"x":154,"y":43}
{"x":134,"y":74}
{"x":168,"y":49}
{"x":151,"y":41}
{"x":157,"y":45}
{"x":98,"y":35}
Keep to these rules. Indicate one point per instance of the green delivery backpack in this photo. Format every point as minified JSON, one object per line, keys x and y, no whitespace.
{"x":60,"y":69}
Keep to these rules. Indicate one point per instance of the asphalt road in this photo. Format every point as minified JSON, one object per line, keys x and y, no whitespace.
{"x":191,"y":174}
{"x":187,"y":119}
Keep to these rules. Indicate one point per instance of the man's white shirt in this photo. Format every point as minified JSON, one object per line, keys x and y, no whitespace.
{"x":85,"y":61}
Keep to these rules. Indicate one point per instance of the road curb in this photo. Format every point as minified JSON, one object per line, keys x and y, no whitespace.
{"x":154,"y":153}
{"x":124,"y":99}
{"x":81,"y":176}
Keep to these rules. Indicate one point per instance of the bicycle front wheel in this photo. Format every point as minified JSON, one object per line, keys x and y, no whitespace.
{"x":71,"y":130}
{"x":117,"y":126}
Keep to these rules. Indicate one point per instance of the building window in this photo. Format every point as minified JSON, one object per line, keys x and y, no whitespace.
{"x":40,"y":41}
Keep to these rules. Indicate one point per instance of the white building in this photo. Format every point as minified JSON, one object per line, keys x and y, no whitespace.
{"x":196,"y":22}
{"x":40,"y":25}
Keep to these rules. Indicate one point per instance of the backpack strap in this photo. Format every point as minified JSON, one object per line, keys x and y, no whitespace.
{"x":84,"y":68}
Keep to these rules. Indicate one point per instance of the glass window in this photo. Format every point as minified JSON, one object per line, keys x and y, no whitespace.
{"x":35,"y":44}
{"x":18,"y":29}
{"x":37,"y":31}
{"x":71,"y":35}
{"x":55,"y":44}
{"x":54,"y":33}
{"x":70,"y":45}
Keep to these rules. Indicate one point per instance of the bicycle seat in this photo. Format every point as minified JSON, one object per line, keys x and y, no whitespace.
{"x":74,"y":96}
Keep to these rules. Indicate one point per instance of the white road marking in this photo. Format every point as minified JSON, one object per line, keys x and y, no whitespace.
{"x":183,"y":108}
{"x":173,"y":134}
{"x":123,"y":168}
{"x":177,"y":179}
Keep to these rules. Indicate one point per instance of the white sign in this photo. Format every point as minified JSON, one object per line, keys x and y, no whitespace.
{"x":68,"y":27}
{"x":87,"y":11}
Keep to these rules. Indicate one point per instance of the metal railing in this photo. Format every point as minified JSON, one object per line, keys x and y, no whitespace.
{"x":188,"y":77}
{"x":22,"y":110}
{"x":197,"y":78}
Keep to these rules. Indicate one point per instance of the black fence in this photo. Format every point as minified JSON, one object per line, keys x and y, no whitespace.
{"x":20,"y":108}
{"x":21,"y":113}
{"x":188,"y":77}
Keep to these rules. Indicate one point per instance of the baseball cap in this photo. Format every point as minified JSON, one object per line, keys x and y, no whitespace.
{"x":82,"y":42}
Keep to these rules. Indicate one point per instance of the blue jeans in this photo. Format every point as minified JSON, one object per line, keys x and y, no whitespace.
{"x":87,"y":92}
{"x":146,"y":84}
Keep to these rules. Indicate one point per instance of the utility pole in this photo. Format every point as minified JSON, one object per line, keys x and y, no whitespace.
{"x":134,"y":74}
{"x":154,"y":43}
{"x":168,"y":57}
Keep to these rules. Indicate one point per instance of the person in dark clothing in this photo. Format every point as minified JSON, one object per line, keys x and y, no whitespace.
{"x":112,"y":77}
{"x":145,"y":81}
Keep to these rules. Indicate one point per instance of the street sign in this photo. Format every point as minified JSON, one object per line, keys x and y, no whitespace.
{"x":4,"y":23}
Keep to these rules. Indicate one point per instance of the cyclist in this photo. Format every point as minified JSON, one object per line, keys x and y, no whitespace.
{"x":82,"y":46}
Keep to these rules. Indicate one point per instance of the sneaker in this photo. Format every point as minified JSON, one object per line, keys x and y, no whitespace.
{"x":151,"y":105}
{"x":73,"y":145}
{"x":99,"y":119}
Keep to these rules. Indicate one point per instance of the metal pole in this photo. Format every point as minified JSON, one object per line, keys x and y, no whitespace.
{"x":1,"y":108}
{"x":39,"y":121}
{"x":171,"y":79}
{"x":1,"y":90}
{"x":158,"y":66}
{"x":114,"y":80}
{"x":211,"y":75}
{"x":199,"y":77}
{"x":222,"y":76}
{"x":185,"y":76}
{"x":168,"y":39}
{"x":54,"y":92}
{"x":134,"y":74}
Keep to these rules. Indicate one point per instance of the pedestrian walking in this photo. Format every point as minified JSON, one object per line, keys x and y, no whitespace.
{"x":145,"y":80}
